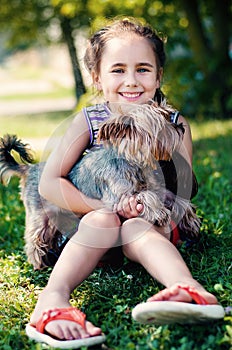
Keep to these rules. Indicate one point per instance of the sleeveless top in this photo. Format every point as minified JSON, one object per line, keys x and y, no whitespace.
{"x":176,"y":174}
{"x":94,"y":116}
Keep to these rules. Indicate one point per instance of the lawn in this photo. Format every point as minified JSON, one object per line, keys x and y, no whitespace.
{"x":108,"y":296}
{"x":33,"y":125}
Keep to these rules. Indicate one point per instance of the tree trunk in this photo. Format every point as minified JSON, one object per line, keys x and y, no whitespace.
{"x":197,"y":38}
{"x":211,"y":54}
{"x":221,"y":41}
{"x":67,"y":34}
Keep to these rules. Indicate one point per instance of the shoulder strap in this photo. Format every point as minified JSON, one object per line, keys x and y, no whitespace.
{"x":174,"y":116}
{"x":95,"y":115}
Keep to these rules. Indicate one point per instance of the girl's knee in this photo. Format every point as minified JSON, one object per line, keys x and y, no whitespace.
{"x":137,"y":233}
{"x":98,"y":229}
{"x":101,"y":219}
{"x":134,"y":229}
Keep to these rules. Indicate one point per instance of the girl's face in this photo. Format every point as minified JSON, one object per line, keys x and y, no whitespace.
{"x":128,"y":70}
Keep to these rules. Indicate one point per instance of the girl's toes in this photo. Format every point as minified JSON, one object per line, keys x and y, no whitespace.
{"x":92,"y":330}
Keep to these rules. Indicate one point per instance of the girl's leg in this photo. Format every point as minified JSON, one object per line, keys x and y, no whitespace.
{"x":144,"y":244}
{"x":77,"y":261}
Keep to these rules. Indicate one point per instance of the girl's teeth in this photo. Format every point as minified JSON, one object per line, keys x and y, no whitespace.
{"x":125,"y":94}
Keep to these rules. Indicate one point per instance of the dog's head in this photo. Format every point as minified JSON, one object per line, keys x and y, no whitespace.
{"x":143,"y":135}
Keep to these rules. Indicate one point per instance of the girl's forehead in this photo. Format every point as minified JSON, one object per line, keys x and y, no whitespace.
{"x":128,"y":39}
{"x":130,"y":43}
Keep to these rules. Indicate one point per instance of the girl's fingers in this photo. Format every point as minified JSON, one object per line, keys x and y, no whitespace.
{"x":128,"y":207}
{"x":139,"y":207}
{"x":121,"y":204}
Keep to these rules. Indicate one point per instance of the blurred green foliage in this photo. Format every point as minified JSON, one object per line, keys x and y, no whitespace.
{"x":198,"y":77}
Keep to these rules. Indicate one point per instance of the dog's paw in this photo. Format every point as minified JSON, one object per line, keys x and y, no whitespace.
{"x":163,"y":217}
{"x":154,"y":210}
{"x":160,"y":217}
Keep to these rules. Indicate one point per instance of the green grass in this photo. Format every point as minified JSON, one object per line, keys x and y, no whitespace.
{"x":33,"y":125}
{"x":59,"y":93}
{"x":108,"y":296}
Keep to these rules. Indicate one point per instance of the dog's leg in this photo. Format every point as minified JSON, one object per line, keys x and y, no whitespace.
{"x":40,"y":236}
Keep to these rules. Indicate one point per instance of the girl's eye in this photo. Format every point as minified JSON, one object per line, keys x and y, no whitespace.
{"x":143,"y":70}
{"x":118,"y":70}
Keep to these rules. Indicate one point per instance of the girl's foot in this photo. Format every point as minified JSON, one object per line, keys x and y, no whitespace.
{"x":175,"y":293}
{"x":174,"y":305}
{"x":61,"y":329}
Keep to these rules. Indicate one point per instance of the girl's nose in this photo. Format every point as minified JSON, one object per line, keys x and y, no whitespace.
{"x":131,"y":80}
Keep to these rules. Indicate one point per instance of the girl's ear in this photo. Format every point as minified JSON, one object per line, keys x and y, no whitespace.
{"x":159,"y":77}
{"x":96,"y":81}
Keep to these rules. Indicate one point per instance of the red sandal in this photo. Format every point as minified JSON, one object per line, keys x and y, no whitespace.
{"x":37,"y":332}
{"x":167,"y":312}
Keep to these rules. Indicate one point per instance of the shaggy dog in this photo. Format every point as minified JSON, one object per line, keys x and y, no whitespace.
{"x":132,"y":145}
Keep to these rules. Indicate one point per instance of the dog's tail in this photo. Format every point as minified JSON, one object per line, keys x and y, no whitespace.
{"x":13,"y":165}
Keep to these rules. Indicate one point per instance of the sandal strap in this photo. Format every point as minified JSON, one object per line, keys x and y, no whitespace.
{"x":195,"y":295}
{"x":70,"y":314}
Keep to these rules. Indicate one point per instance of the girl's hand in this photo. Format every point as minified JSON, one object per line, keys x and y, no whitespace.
{"x":128,"y":207}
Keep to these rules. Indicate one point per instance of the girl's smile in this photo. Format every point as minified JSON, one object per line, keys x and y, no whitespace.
{"x":130,"y":96}
{"x":128,"y":70}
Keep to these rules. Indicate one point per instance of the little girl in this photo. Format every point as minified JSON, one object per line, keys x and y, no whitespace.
{"x":125,"y":60}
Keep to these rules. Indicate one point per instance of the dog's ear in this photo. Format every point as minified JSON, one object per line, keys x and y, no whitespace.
{"x":114,"y":130}
{"x":129,"y":137}
{"x":167,"y":136}
{"x":168,"y":140}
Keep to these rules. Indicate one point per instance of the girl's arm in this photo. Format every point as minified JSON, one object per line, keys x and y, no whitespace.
{"x":54,"y":185}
